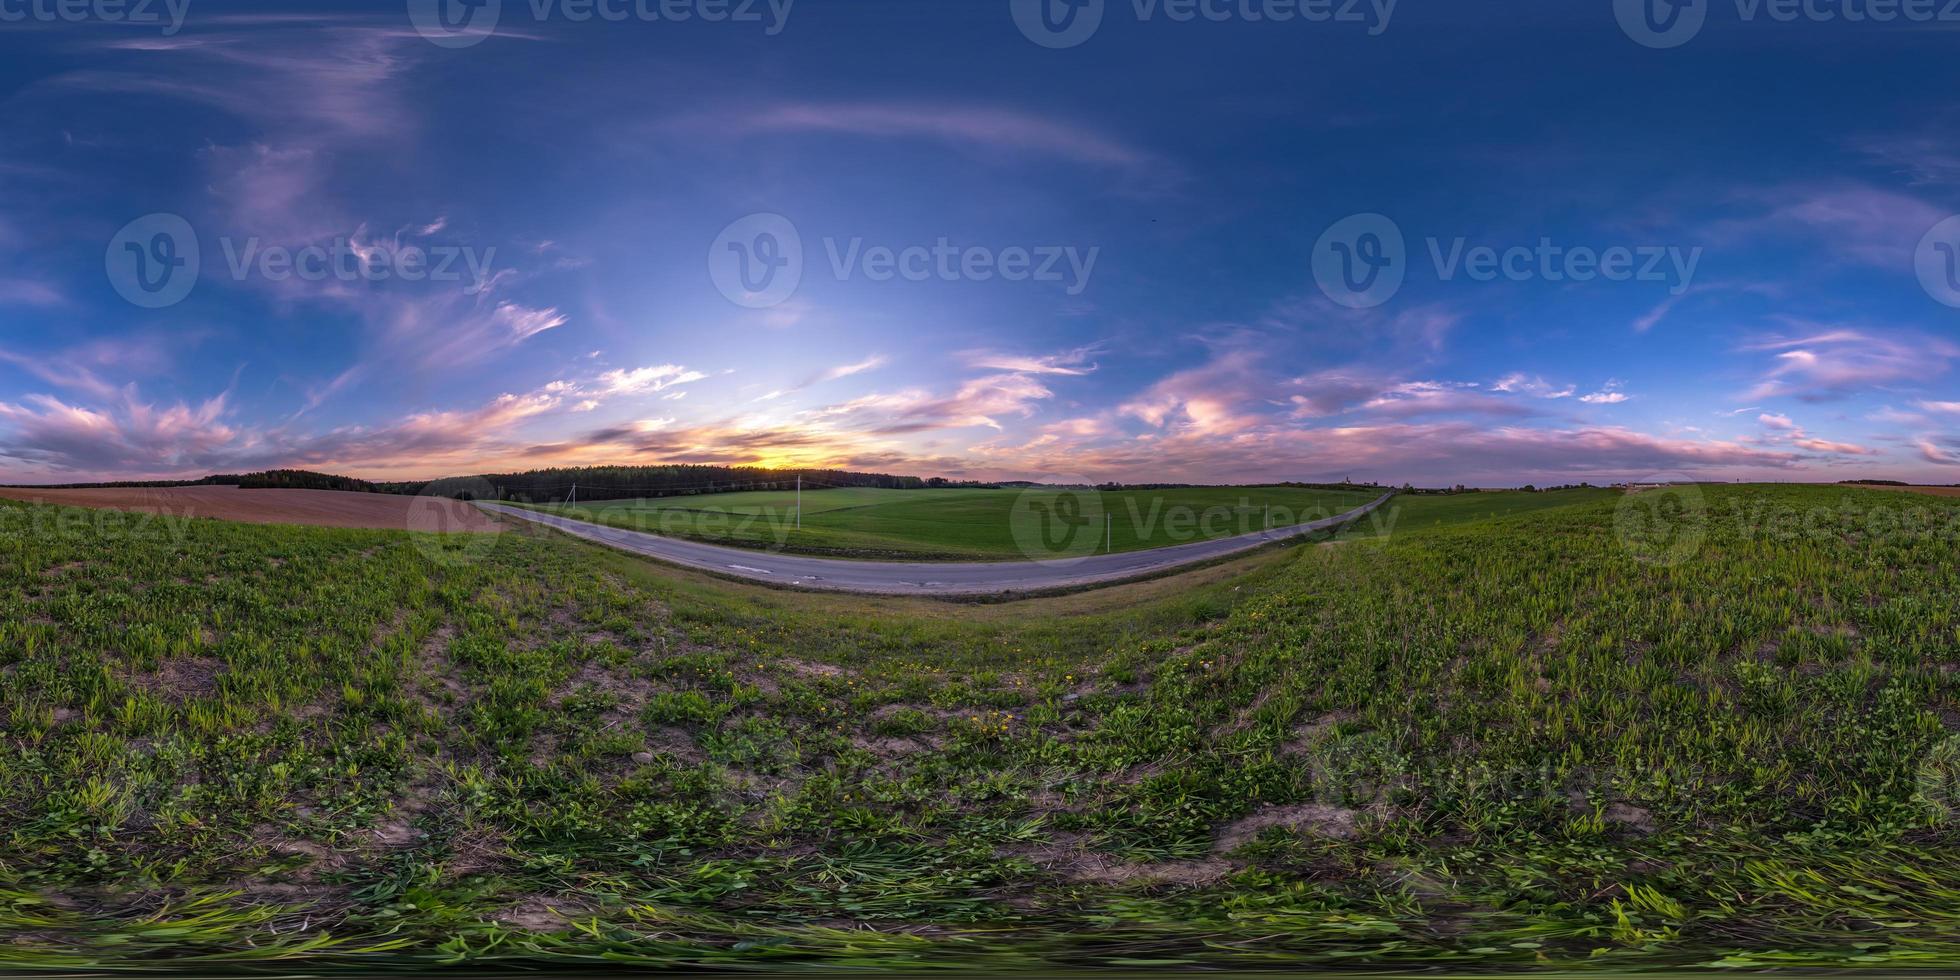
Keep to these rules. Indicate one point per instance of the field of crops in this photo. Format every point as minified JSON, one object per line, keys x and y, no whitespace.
{"x":923,"y":525}
{"x":1697,"y":726}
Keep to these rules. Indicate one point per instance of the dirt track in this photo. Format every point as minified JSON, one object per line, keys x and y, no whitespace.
{"x":320,"y":508}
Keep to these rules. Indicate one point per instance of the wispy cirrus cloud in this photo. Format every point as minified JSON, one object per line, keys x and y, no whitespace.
{"x":828,"y":375}
{"x":1070,"y":362}
{"x":971,"y":127}
{"x":31,"y":292}
{"x":1441,"y":398}
{"x":1869,"y":224}
{"x":1939,"y":452}
{"x":1826,"y":362}
{"x":645,"y":380}
{"x":1783,"y":430}
{"x":447,"y":330}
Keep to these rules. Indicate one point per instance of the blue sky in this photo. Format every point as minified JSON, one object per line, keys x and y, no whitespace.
{"x":1126,"y":253}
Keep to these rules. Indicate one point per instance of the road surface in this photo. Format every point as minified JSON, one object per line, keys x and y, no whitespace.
{"x":926,"y":578}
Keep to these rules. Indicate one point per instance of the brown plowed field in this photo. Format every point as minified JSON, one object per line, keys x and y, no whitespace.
{"x":322,"y":508}
{"x":1931,"y":491}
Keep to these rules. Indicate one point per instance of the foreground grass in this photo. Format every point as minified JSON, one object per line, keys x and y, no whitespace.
{"x":967,"y":524}
{"x":1494,"y":743}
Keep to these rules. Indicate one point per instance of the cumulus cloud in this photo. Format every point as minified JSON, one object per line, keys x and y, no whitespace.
{"x":51,"y":435}
{"x":1535,"y":386}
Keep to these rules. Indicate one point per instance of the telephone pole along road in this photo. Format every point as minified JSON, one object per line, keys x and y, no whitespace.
{"x":926,"y":578}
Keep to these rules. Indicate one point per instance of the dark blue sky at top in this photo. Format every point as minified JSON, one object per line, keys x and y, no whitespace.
{"x":596,"y":163}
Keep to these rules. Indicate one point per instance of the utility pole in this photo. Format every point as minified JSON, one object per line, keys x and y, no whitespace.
{"x":1109,"y":534}
{"x":574,"y":500}
{"x":799,"y":501}
{"x":1269,"y":517}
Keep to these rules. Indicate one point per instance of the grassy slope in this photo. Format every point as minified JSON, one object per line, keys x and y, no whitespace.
{"x":954,"y":524}
{"x":1499,"y":742}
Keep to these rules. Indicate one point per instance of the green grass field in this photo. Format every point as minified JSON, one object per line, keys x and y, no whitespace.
{"x":1416,"y":512}
{"x":964,"y":524}
{"x":1603,"y":733}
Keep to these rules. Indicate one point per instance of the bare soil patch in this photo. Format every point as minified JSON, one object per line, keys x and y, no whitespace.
{"x":1311,"y":818}
{"x":318,"y":508}
{"x":1929,"y":491}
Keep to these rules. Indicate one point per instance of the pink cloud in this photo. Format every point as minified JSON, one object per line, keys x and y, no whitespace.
{"x":1933,"y":453}
{"x":1832,"y":362}
{"x":1072,"y":362}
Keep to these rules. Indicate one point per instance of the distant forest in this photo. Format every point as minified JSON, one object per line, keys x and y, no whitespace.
{"x":267,"y":480}
{"x":630,"y":482}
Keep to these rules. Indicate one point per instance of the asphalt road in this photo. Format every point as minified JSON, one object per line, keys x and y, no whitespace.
{"x":926,"y":578}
